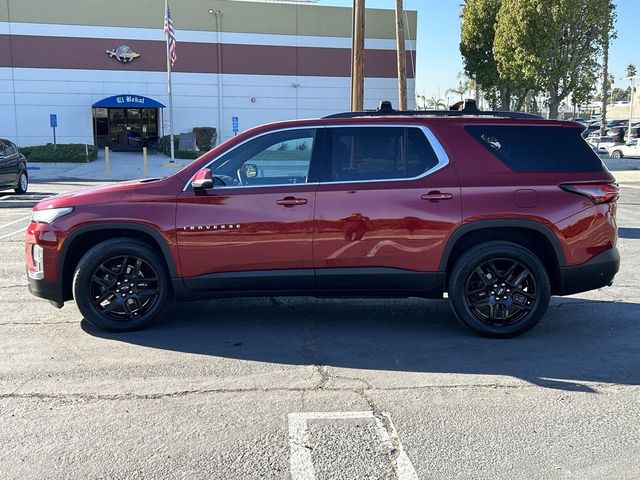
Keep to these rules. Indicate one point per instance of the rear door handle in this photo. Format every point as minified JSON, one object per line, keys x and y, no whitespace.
{"x":436,"y":196}
{"x":291,"y":201}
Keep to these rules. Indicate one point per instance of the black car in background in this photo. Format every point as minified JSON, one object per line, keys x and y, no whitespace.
{"x":13,"y":168}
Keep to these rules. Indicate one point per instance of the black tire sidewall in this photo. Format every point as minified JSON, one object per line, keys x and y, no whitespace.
{"x":94,"y":258}
{"x":481,"y":254}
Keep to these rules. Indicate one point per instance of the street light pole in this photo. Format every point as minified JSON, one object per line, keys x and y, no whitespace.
{"x":402,"y":56}
{"x":357,"y":55}
{"x":631,"y":79}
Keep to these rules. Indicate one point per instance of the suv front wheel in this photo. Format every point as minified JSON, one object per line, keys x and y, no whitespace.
{"x":499,"y":289}
{"x":120,"y":285}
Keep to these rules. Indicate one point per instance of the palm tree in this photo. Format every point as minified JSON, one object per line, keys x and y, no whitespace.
{"x":631,"y":70}
{"x":435,"y":103}
{"x":421,"y":102}
{"x":460,"y":90}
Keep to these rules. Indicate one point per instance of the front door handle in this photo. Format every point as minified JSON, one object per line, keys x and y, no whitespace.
{"x":291,"y":201}
{"x":436,"y":196}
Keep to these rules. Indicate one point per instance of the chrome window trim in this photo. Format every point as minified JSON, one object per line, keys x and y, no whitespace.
{"x":309,"y":127}
{"x":441,"y":154}
{"x":443,"y":158}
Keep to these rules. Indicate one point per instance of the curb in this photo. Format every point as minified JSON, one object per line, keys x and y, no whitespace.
{"x":27,"y":201}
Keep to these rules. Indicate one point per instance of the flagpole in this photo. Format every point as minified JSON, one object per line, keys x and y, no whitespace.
{"x":169,"y":89}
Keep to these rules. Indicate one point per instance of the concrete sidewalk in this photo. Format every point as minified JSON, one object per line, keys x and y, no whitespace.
{"x":124,"y":166}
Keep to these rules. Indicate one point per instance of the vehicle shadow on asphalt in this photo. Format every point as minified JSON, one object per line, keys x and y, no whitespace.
{"x":577,"y":341}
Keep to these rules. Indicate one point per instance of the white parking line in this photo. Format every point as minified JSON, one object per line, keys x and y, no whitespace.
{"x":15,"y":221}
{"x":302,"y":463}
{"x":13,"y":233}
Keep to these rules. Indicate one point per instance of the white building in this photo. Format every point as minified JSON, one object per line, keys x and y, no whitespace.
{"x":100,"y":67}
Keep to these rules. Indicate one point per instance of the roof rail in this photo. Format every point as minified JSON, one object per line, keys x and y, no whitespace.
{"x":460,"y":109}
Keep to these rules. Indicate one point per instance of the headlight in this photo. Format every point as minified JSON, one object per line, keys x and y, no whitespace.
{"x":49,"y":215}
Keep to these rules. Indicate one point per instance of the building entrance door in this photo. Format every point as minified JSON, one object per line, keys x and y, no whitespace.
{"x":125,"y":128}
{"x":126,"y":122}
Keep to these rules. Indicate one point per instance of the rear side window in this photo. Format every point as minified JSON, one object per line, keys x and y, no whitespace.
{"x":379,"y":153}
{"x":538,"y":149}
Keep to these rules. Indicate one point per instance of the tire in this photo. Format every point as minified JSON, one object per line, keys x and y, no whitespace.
{"x":111,"y":294}
{"x":23,"y":183}
{"x":522,"y":298}
{"x":616,"y":154}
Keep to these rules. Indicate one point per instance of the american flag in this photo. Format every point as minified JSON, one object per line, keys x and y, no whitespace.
{"x":171,"y":35}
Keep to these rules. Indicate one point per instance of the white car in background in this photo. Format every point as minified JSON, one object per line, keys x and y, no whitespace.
{"x":601,"y":144}
{"x":629,"y":149}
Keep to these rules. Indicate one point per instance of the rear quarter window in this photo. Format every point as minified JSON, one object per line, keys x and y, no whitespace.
{"x":538,"y":148}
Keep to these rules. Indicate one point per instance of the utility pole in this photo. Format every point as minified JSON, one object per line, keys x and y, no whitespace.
{"x":402,"y":56}
{"x":357,"y":55}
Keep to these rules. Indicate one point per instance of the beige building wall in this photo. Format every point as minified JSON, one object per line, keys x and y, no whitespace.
{"x":284,"y":19}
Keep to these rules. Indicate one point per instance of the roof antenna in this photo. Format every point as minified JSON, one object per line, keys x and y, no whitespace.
{"x":385,"y":107}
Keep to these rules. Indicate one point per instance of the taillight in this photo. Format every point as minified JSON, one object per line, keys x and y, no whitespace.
{"x":597,"y":192}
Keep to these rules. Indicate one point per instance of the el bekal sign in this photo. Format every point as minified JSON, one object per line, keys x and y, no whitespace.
{"x":126,"y":101}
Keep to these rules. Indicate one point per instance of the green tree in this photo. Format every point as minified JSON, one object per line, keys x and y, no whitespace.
{"x":553,"y":44}
{"x":631,"y":70}
{"x":619,"y":94}
{"x":608,"y":34}
{"x":477,"y":34}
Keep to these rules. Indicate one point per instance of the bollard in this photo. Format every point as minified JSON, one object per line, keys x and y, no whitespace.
{"x":107,"y":165}
{"x":145,"y":163}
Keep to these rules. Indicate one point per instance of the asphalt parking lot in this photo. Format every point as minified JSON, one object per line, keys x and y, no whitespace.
{"x":314,"y":388}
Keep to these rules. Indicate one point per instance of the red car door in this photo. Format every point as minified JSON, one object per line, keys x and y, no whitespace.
{"x":252,"y":230}
{"x":388,"y":201}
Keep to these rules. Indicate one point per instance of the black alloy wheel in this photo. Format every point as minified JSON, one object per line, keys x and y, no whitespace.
{"x":124,"y":287}
{"x":500,"y":292}
{"x":499,"y":289}
{"x":121,"y":285}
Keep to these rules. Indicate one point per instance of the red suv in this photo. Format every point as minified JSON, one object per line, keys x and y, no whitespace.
{"x":499,"y":210}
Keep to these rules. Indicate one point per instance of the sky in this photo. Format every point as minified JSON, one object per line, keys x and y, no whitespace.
{"x":439,"y":61}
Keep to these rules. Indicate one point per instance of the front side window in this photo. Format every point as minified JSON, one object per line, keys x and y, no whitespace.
{"x":379,"y":153}
{"x":279,"y":158}
{"x":11,"y":149}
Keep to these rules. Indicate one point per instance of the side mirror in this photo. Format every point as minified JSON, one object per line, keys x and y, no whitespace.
{"x":250,"y":170}
{"x":202,"y":180}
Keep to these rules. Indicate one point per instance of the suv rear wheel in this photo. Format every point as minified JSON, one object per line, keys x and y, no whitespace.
{"x":616,"y":154}
{"x":120,"y":285}
{"x":499,"y":289}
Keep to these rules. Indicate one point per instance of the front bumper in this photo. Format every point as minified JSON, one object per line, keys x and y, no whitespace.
{"x":51,"y":291}
{"x":596,"y":273}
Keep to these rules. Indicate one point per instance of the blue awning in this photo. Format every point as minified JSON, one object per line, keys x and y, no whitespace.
{"x":128,"y":101}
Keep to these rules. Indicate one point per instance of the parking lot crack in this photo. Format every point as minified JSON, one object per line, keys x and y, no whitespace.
{"x":364,"y":393}
{"x":310,"y":342}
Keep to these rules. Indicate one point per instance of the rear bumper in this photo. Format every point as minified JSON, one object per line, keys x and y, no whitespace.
{"x":596,"y":273}
{"x":51,"y":291}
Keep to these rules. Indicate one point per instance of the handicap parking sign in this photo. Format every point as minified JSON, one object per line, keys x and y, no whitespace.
{"x":234,"y":124}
